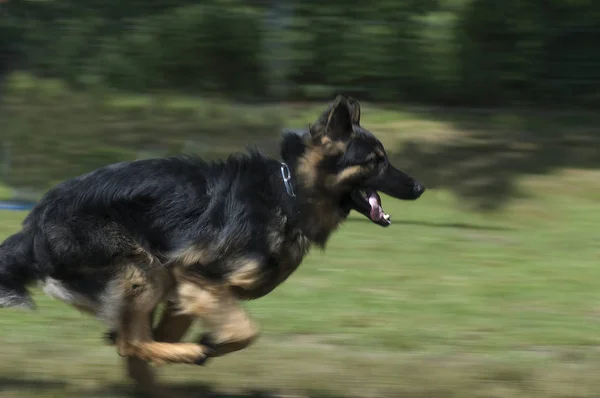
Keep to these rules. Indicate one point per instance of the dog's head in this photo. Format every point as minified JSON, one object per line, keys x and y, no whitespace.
{"x":347,"y":163}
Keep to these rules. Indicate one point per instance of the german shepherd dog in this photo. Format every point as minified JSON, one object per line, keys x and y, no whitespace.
{"x":197,"y":236}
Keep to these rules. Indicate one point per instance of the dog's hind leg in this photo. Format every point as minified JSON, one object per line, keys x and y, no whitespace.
{"x":171,"y":328}
{"x":134,"y":334}
{"x":135,"y":340}
{"x":141,"y":372}
{"x":172,"y":325}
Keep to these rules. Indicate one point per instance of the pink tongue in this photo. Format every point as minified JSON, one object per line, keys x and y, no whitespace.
{"x":376,"y":210}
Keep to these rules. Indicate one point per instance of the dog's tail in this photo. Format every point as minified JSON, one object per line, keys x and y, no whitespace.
{"x":17,"y":270}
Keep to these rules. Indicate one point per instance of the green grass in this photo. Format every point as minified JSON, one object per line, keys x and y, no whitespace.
{"x":447,"y":302}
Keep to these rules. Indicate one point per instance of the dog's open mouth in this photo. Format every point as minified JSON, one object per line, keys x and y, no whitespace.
{"x":368,"y":202}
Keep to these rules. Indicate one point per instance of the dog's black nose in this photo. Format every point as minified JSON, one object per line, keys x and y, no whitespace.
{"x":419,"y":189}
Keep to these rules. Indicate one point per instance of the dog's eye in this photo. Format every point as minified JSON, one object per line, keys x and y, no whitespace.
{"x":372,"y":162}
{"x":375,"y":161}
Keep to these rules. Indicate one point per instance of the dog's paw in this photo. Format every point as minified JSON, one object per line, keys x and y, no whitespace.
{"x":208,"y":347}
{"x":201,"y":360}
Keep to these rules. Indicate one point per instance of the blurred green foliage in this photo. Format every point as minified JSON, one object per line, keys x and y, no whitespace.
{"x":469,"y":52}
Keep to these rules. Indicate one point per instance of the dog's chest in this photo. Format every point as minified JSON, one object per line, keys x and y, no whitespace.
{"x":287,"y":249}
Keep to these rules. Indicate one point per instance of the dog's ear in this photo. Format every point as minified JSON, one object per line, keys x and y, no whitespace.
{"x":338,"y":125}
{"x":355,"y":110}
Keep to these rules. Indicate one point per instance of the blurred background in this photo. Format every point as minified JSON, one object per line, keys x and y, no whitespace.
{"x":485,"y":287}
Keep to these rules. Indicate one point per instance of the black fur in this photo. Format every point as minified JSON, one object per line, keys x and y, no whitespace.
{"x":162,"y":205}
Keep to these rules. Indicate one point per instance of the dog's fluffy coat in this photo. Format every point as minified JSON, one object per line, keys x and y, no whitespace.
{"x":201,"y":236}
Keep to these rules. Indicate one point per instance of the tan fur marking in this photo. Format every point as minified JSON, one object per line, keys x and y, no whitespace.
{"x":142,"y":291}
{"x":192,"y":255}
{"x":141,"y":256}
{"x":307,"y":167}
{"x":332,"y":148}
{"x":162,"y":353}
{"x":171,"y":329}
{"x":230,"y":325}
{"x":195,"y":300}
{"x":325,"y":214}
{"x":308,"y":171}
{"x":326,"y":141}
{"x":135,"y":340}
{"x":144,"y":288}
{"x":247,"y":273}
{"x":342,"y":176}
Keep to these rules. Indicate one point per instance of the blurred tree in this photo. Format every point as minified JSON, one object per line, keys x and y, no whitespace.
{"x":449,"y":51}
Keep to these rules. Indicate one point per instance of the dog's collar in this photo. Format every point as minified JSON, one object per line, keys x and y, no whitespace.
{"x":287,"y":179}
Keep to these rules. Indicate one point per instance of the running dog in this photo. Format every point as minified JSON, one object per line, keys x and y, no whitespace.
{"x":199,"y":236}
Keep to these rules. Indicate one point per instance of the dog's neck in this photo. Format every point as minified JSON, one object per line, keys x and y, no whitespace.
{"x":319,"y":212}
{"x":292,"y":148}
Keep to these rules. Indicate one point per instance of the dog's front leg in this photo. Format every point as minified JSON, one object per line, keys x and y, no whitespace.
{"x":230,"y":327}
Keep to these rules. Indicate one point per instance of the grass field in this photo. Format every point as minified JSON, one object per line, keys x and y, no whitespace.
{"x":447,"y":302}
